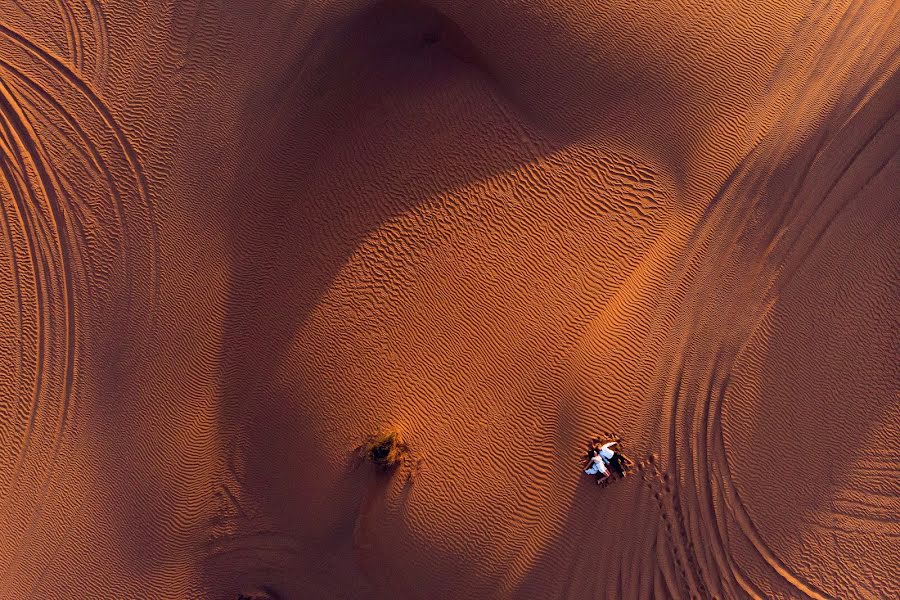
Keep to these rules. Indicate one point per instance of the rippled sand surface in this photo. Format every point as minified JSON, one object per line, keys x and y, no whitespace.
{"x":239,"y":239}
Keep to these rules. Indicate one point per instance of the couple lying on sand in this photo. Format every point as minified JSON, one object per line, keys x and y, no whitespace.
{"x":601,"y":459}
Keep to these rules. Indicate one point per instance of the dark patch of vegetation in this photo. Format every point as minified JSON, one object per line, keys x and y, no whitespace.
{"x":386,"y":449}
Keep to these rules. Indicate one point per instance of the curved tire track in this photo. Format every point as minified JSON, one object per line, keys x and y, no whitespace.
{"x":698,"y":472}
{"x":73,"y":243}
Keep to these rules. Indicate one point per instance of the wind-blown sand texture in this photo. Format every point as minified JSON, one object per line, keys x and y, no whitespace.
{"x":242,"y":240}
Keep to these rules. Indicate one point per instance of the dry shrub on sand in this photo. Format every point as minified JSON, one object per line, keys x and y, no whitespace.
{"x":386,"y":449}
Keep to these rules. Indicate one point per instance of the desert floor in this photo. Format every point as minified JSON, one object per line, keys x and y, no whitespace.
{"x":241,"y":238}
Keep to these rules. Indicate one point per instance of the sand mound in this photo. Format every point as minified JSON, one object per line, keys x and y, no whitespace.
{"x":324,"y":299}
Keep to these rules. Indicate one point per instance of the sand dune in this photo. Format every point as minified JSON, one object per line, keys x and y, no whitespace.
{"x":239,"y":239}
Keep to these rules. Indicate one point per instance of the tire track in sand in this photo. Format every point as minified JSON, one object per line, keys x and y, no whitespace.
{"x":86,"y":38}
{"x":701,"y":495}
{"x":133,"y":179}
{"x":50,"y":261}
{"x":67,"y":170}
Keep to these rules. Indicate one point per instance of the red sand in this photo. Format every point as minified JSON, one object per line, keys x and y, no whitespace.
{"x":239,"y":238}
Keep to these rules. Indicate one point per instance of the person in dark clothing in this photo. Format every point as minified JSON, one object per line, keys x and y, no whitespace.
{"x":603,"y":461}
{"x":618,"y":464}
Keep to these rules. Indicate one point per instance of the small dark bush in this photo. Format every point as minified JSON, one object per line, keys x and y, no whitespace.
{"x":386,"y":449}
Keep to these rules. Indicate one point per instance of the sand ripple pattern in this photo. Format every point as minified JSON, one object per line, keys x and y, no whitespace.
{"x":68,"y":246}
{"x":75,"y":32}
{"x":714,"y":545}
